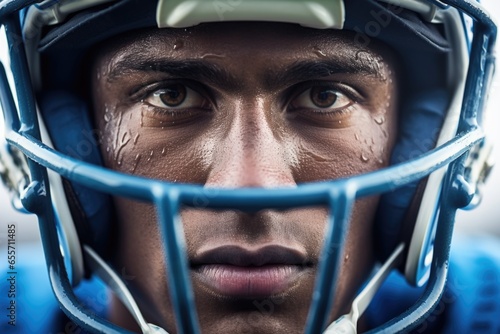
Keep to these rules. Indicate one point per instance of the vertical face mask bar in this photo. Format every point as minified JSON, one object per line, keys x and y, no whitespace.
{"x":19,"y":66}
{"x":179,"y":281}
{"x":7,"y":103}
{"x":36,"y":196}
{"x":478,"y":76}
{"x":28,"y":122}
{"x":340,"y":205}
{"x":7,"y":7}
{"x":415,"y":317}
{"x":480,"y":66}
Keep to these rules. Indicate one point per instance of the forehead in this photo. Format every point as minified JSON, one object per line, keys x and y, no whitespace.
{"x":249,"y":43}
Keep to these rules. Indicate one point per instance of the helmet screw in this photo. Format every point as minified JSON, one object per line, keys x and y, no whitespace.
{"x":30,"y":196}
{"x":462,"y":191}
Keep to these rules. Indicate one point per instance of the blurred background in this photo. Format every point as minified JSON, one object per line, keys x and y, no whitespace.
{"x":483,"y":220}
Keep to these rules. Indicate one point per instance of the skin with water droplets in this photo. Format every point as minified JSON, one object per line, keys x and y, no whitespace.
{"x":379,"y":119}
{"x":178,"y":45}
{"x":249,"y":137}
{"x":320,"y":52}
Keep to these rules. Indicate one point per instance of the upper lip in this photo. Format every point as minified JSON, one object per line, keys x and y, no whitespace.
{"x":237,"y":255}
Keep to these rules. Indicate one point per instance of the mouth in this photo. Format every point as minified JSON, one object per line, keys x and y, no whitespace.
{"x":246,"y":273}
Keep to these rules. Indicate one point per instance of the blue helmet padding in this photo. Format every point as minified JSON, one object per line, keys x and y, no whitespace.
{"x":97,"y":24}
{"x":67,"y":121}
{"x":420,"y":122}
{"x":420,"y":46}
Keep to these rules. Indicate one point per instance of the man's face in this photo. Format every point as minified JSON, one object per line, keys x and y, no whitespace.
{"x":243,"y":105}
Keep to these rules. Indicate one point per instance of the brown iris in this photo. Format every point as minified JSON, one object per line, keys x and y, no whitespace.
{"x":173,"y":96}
{"x":323,"y":98}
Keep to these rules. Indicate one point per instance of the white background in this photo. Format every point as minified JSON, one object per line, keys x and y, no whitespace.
{"x":484,"y":219}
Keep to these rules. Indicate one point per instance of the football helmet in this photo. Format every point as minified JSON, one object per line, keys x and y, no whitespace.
{"x":446,"y":48}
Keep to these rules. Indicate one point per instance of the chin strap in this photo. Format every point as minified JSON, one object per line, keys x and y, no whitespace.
{"x":108,"y":275}
{"x":347,"y":324}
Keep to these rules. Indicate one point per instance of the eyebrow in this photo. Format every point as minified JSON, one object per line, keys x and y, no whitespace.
{"x":214,"y":75}
{"x":307,"y":70}
{"x":197,"y":70}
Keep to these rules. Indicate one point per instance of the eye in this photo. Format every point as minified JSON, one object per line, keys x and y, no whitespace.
{"x":176,"y":96}
{"x":320,"y":97}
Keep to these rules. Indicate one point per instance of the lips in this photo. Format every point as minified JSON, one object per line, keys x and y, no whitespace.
{"x":238,"y":272}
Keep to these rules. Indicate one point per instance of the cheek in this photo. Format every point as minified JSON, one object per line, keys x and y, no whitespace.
{"x":337,"y":153}
{"x":129,"y":146}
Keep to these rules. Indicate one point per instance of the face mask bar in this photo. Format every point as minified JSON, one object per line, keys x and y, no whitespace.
{"x":339,"y":195}
{"x":22,"y":132}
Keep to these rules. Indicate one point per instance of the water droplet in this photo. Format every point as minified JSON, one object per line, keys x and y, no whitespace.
{"x":213,"y":56}
{"x":136,"y":138}
{"x":384,"y":133}
{"x":379,"y":120}
{"x":107,"y":149}
{"x":356,"y":136}
{"x":124,"y":136}
{"x":150,"y":156}
{"x":120,"y":118}
{"x":107,"y":116}
{"x":372,"y":149}
{"x":136,"y":162}
{"x":364,"y":158}
{"x":319,"y":52}
{"x":178,"y":45}
{"x":163,"y":151}
{"x":380,"y":161}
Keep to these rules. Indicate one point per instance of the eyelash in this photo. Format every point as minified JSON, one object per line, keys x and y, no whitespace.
{"x":348,"y":91}
{"x":139,"y":94}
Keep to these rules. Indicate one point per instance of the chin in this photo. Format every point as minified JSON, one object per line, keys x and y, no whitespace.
{"x":252,"y":322}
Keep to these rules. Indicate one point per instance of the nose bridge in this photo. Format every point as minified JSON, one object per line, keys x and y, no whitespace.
{"x":251,"y":153}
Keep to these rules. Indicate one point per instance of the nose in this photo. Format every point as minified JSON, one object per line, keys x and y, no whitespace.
{"x":253,"y":151}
